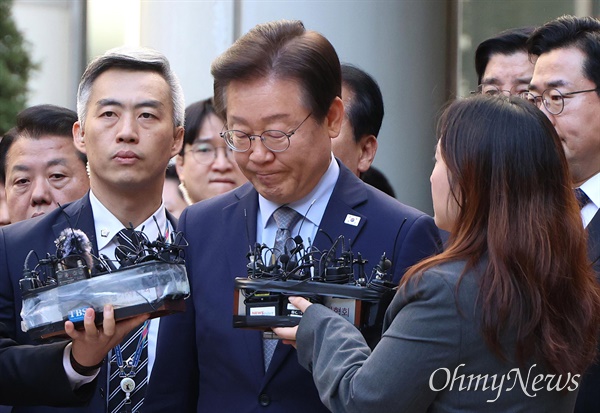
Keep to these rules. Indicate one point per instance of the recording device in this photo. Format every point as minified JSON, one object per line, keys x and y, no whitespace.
{"x":150,"y":277}
{"x":335,"y":277}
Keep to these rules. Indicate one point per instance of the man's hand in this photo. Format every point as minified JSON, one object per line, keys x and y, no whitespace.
{"x":92,"y":344}
{"x":288,"y":334}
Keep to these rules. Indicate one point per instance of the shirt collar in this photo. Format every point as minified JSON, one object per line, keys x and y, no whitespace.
{"x":313,"y":205}
{"x":107,"y":225}
{"x":591,"y":187}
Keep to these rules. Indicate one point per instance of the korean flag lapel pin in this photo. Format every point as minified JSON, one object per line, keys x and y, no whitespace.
{"x":352,"y":220}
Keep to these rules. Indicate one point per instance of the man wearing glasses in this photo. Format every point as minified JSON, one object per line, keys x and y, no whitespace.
{"x":278,"y":88}
{"x":503,"y":64}
{"x":565,"y":87}
{"x":205,"y":165}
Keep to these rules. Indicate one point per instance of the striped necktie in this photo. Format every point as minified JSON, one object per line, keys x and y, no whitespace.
{"x":581,"y":196}
{"x":285,"y":218}
{"x":133,"y":376}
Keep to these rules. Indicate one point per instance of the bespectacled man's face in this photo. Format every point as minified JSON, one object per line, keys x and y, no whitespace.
{"x":508,"y":72}
{"x":578,"y":125}
{"x":275,"y":104}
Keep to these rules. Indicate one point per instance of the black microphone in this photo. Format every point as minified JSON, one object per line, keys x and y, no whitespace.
{"x":299,"y":245}
{"x":380,"y":270}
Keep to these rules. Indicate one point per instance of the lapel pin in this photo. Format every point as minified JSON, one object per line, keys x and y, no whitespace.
{"x":104,"y":233}
{"x":352,"y":220}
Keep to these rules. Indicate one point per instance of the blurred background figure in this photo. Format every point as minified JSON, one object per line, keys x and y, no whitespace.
{"x":41,"y":167}
{"x":172,"y":196}
{"x":356,"y":145}
{"x":376,"y":178}
{"x":503,"y":64}
{"x":205,"y":165}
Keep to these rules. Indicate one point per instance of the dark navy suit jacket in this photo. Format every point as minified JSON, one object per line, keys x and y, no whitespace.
{"x":38,"y":234}
{"x":588,"y":400}
{"x":35,"y":375}
{"x":203,"y":364}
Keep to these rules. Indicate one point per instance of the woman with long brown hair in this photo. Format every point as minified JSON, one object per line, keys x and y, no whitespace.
{"x":507,"y":317}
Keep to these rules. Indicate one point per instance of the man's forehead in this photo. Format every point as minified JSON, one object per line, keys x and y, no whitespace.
{"x":558,"y":67}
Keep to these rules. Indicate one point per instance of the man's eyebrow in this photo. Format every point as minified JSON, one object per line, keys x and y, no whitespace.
{"x":549,"y":85}
{"x":151,"y":103}
{"x":57,"y":161}
{"x":490,"y":81}
{"x":20,"y":168}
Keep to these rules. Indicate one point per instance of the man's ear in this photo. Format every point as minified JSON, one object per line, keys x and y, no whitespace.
{"x":78,"y":137}
{"x":335,"y":116}
{"x":177,"y":141}
{"x":368,"y":149}
{"x":179,"y":167}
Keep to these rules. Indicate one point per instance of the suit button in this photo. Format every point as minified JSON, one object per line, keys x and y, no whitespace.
{"x":264,"y":400}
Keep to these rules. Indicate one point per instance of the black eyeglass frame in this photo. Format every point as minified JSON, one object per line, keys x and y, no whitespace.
{"x":195,"y":153}
{"x":226,"y":134}
{"x":540,"y":98}
{"x":504,"y":92}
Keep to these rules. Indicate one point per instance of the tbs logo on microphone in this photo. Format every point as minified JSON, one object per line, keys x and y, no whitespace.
{"x":77,"y":314}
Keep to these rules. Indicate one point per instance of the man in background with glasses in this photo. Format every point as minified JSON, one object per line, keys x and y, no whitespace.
{"x":565,"y":86}
{"x":503,"y":64}
{"x":205,"y":166}
{"x":278,"y":88}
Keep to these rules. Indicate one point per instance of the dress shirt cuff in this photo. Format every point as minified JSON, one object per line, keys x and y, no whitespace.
{"x":77,"y":380}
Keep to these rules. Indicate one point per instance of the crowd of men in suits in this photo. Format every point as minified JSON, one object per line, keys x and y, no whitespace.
{"x":281,"y":92}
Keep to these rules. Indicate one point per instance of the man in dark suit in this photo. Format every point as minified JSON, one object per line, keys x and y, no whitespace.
{"x":566,"y":86}
{"x":59,"y":374}
{"x":130,"y":111}
{"x":278,"y":87}
{"x":39,"y":164}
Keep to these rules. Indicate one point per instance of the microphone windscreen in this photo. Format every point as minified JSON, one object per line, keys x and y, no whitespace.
{"x":284,"y":259}
{"x":74,"y":242}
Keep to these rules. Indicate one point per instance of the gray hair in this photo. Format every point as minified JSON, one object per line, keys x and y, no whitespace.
{"x":128,"y":58}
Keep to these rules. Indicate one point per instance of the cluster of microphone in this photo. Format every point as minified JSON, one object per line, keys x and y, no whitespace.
{"x":338,"y":264}
{"x":74,"y":260}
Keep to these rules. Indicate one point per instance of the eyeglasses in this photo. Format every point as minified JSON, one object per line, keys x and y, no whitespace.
{"x":493,"y":90}
{"x":552,"y":99}
{"x":274,"y":140}
{"x":205,"y":153}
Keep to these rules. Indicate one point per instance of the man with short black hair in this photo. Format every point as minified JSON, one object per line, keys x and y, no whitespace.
{"x":566,"y":87}
{"x":130,"y":123}
{"x":278,"y":88}
{"x":40,"y":166}
{"x":503,"y":64}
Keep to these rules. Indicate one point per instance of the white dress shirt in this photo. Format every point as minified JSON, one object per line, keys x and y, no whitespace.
{"x":311,"y":207}
{"x":591,"y":187}
{"x":107,"y":226}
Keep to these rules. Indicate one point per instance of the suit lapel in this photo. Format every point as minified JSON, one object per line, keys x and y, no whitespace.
{"x":341,"y":217}
{"x":78,"y":215}
{"x":239,"y":218}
